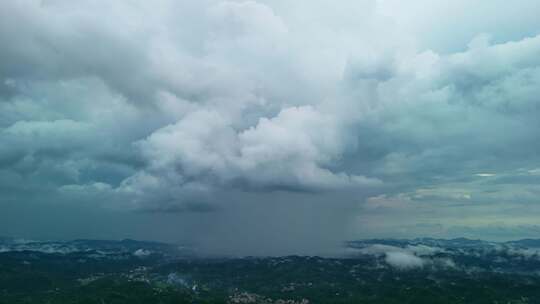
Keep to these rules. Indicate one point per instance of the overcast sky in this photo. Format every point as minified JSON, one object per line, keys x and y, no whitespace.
{"x":269,"y":127}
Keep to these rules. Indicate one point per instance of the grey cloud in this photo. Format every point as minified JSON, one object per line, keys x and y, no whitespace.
{"x":171,"y":107}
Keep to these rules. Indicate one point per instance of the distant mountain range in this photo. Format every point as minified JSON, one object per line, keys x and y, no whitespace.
{"x":446,"y":243}
{"x":103,"y":247}
{"x":150,"y":247}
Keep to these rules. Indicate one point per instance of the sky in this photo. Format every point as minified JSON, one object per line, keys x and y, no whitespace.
{"x":269,"y":127}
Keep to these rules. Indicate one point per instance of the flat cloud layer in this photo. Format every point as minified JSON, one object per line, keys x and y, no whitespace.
{"x":298,"y":123}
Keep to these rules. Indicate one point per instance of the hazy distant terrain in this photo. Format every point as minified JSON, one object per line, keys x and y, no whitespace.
{"x":368,"y":271}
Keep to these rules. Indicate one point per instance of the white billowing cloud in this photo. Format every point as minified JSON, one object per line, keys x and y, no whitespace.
{"x":403,"y":260}
{"x":246,"y":20}
{"x":141,"y":253}
{"x":419,"y":250}
{"x":378,"y":249}
{"x":407,"y":258}
{"x":288,"y":151}
{"x":505,"y":21}
{"x":294,"y":147}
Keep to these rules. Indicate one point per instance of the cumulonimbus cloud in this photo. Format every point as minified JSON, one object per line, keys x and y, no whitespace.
{"x":168,"y":105}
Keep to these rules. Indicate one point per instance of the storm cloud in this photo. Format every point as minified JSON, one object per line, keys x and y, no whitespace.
{"x":270,"y":127}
